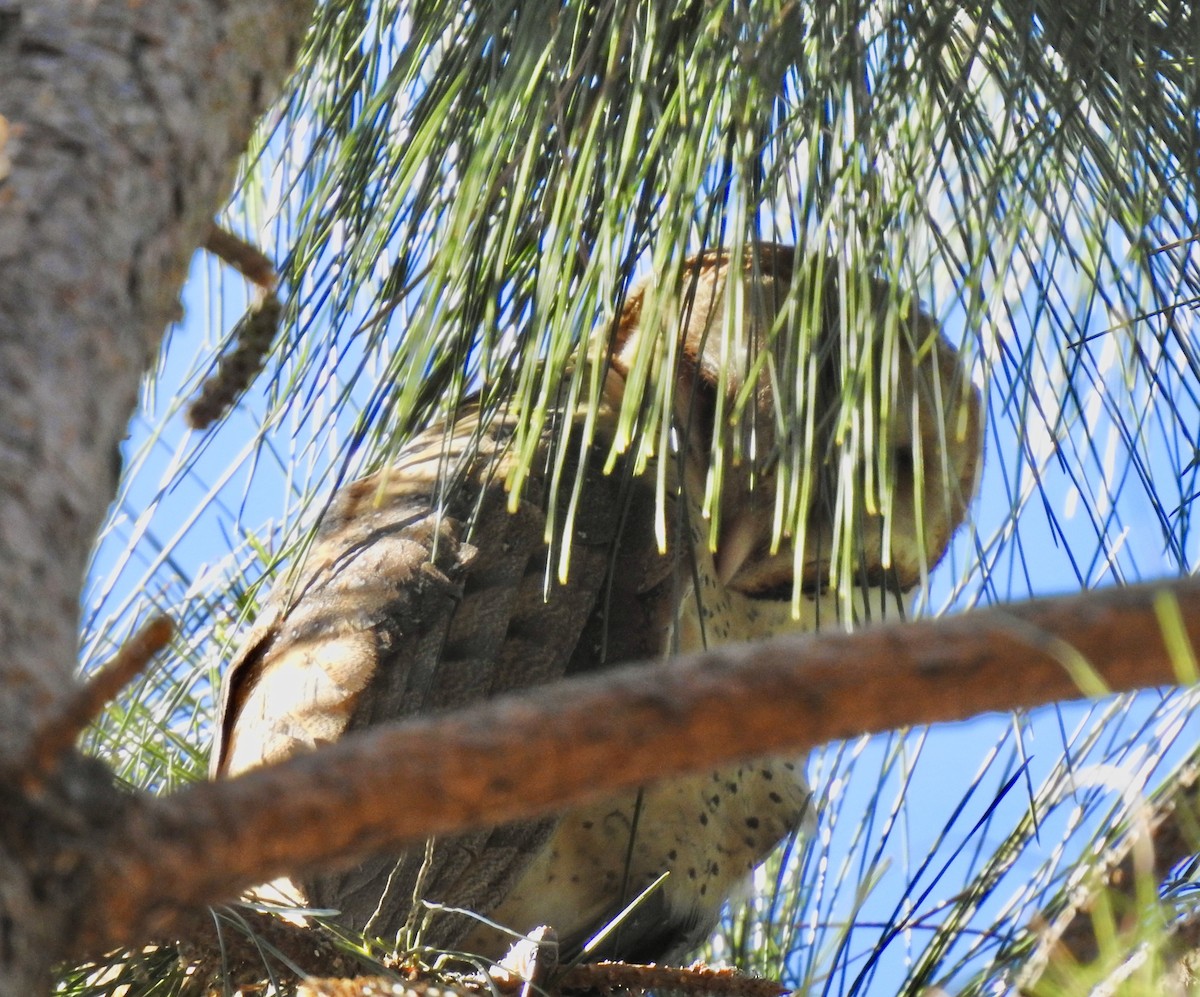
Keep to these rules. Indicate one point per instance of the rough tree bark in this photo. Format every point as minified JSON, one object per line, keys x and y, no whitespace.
{"x":120,"y":127}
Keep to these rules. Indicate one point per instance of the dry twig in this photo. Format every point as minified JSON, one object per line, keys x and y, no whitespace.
{"x":82,"y":704}
{"x":696,"y":979}
{"x":603,"y":977}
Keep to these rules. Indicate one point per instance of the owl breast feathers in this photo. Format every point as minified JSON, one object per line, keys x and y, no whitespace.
{"x":423,"y":592}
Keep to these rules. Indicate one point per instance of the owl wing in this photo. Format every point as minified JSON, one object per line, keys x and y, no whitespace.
{"x":422,"y":592}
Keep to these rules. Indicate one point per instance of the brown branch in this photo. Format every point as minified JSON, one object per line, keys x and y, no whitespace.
{"x":81,"y":705}
{"x":699,"y":979}
{"x":531,"y":967}
{"x":535,"y":752}
{"x":245,"y":257}
{"x":380,"y":986}
{"x":602,"y":977}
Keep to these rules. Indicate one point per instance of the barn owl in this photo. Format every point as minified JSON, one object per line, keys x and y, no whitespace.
{"x":425,"y":591}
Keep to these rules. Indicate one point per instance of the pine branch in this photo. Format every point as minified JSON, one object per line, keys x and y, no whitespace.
{"x":528,"y":754}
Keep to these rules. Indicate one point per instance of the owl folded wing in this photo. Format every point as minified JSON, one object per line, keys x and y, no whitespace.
{"x":421,"y":592}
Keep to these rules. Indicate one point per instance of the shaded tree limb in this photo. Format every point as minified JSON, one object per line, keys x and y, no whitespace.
{"x":600,"y":977}
{"x":617,"y":977}
{"x":524,"y":755}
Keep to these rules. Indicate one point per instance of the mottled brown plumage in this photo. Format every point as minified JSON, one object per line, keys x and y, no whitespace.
{"x":422,"y":592}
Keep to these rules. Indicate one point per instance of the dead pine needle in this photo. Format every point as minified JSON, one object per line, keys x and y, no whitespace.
{"x":82,"y":704}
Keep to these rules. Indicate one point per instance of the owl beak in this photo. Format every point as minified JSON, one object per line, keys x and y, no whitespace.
{"x":737,"y":544}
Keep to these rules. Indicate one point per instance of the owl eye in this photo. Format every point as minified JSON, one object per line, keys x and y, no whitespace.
{"x":781,"y":592}
{"x":904,"y":463}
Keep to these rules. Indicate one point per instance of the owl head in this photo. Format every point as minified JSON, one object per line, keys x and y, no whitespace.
{"x":775,"y":358}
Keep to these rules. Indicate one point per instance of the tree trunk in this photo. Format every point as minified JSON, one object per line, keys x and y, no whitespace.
{"x":120,"y":127}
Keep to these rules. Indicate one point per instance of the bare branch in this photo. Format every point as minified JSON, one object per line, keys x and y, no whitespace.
{"x":601,"y":977}
{"x":531,"y":753}
{"x":85,"y":702}
{"x":615,"y":977}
